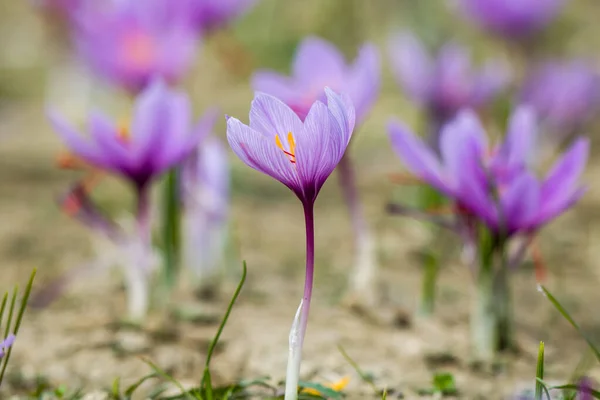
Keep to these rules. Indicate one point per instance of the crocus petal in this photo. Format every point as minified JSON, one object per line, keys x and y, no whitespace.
{"x":262,"y":154}
{"x":105,"y":136}
{"x":317,"y":60}
{"x":468,"y":121}
{"x":276,"y":85}
{"x":150,"y":117}
{"x":317,"y":149}
{"x":175,"y":142}
{"x":271,"y":117}
{"x":519,"y":203}
{"x":411,"y":65}
{"x":340,"y":106}
{"x":417,"y":156}
{"x":559,"y":189}
{"x":521,"y":137}
{"x":364,"y":80}
{"x":77,"y":143}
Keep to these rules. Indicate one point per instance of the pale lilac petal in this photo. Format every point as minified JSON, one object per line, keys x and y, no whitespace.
{"x":519,"y":203}
{"x":80,"y":146}
{"x":340,"y":106}
{"x":317,"y":60}
{"x":560,"y":188}
{"x":453,"y":81}
{"x":271,"y":117}
{"x":318,"y":148}
{"x":151,"y":120}
{"x":468,"y":121}
{"x":106,"y":137}
{"x":521,"y":137}
{"x":417,"y":156}
{"x":411,"y":65}
{"x":364,"y":80}
{"x":280,"y":86}
{"x":262,"y":154}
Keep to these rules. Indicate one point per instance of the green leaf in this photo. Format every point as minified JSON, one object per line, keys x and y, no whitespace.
{"x":594,"y":393}
{"x":565,"y":314}
{"x":444,"y":383}
{"x":539,"y":374}
{"x":213,"y":343}
{"x":324,"y":391}
{"x":169,"y":378}
{"x":171,"y":228}
{"x":131,"y":389}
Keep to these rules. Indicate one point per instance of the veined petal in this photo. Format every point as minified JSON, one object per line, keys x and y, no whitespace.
{"x":317,"y":148}
{"x":262,"y":154}
{"x":318,"y":60}
{"x":342,"y":109}
{"x":417,"y":156}
{"x":271,"y":117}
{"x":77,"y":143}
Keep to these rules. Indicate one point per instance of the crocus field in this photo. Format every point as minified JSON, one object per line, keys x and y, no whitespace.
{"x":299,"y":199}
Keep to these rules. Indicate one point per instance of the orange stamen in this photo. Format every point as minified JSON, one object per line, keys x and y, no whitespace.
{"x":67,"y":160}
{"x":123,"y":133}
{"x":292,"y":143}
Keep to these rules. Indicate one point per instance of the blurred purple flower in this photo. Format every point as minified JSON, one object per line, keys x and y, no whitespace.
{"x":161,"y":136}
{"x":301,"y":155}
{"x":564,"y":94}
{"x":129,"y":42}
{"x":5,"y":344}
{"x":494,"y":184}
{"x":205,"y":181}
{"x":210,"y":15}
{"x":511,"y":18}
{"x":446,"y":84}
{"x":584,"y":391}
{"x":317,"y":64}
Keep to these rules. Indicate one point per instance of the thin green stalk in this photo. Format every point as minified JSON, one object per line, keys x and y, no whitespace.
{"x":503,"y":300}
{"x":428,"y":290}
{"x":539,"y":373}
{"x":171,"y":230}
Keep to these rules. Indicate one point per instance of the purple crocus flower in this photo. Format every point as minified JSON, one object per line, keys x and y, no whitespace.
{"x":301,"y":155}
{"x":206,"y":184}
{"x":6,"y":344}
{"x":511,"y":18}
{"x":446,"y":84}
{"x":161,"y":136}
{"x":565,"y":94}
{"x":129,"y":42}
{"x":493,"y":184}
{"x":210,"y":15}
{"x":317,"y":64}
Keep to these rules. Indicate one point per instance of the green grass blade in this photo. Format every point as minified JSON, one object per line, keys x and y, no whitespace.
{"x":365,"y":378}
{"x":11,"y":310}
{"x":169,"y":378}
{"x":171,"y":226}
{"x":566,"y":315}
{"x":594,"y":393}
{"x":544,"y":387}
{"x":131,"y":389}
{"x":24,"y":301}
{"x":3,"y":307}
{"x":539,"y":374}
{"x":215,"y":340}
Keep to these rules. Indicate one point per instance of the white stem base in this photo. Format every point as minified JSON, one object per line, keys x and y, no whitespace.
{"x":294,"y":357}
{"x":362,"y":281}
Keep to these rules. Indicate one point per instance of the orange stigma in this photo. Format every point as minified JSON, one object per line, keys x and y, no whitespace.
{"x":292,"y":153}
{"x":123,"y":133}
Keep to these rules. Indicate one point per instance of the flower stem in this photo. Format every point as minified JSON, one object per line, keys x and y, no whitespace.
{"x":365,"y":265}
{"x":484,"y":322}
{"x":504,"y":309}
{"x":170,"y":230}
{"x":137,"y":274}
{"x":430,"y":274}
{"x":298,"y":330}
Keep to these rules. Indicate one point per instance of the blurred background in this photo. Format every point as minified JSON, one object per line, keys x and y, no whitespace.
{"x":75,"y":341}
